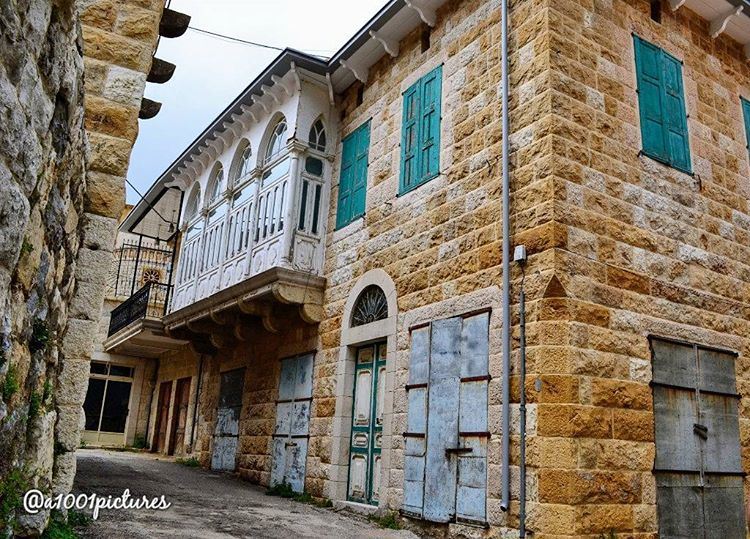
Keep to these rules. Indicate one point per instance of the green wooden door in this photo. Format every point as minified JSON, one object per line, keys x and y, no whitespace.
{"x":367,"y":424}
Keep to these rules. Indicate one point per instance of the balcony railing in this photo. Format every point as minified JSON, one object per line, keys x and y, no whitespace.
{"x":271,"y":218}
{"x":151,"y":302}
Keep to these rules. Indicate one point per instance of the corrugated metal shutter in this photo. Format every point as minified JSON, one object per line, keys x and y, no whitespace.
{"x":698,"y":466}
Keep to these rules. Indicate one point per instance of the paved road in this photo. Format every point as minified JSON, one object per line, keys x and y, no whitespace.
{"x":204,"y":504}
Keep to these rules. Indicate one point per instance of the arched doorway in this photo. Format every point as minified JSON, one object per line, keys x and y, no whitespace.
{"x":364,"y":405}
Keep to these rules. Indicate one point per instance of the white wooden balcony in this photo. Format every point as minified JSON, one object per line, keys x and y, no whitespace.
{"x":271,"y":218}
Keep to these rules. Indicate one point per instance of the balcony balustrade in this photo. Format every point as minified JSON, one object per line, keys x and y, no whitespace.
{"x":271,"y":218}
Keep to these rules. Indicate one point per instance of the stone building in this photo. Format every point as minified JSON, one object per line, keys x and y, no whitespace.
{"x":64,"y":151}
{"x":335,"y":320}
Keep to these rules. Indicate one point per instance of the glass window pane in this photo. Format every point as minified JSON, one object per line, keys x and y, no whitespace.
{"x":314,"y":166}
{"x":276,"y":172}
{"x":92,"y":406}
{"x":121,"y":370}
{"x":115,"y":412}
{"x":98,"y":367}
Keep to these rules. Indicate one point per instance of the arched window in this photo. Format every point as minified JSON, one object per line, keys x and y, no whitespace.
{"x":277,"y":141}
{"x":214,"y":189}
{"x":245,"y":165}
{"x":370,"y":306}
{"x":191,"y":209}
{"x":317,"y":138}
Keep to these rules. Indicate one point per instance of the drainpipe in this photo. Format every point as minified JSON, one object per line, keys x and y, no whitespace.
{"x":506,"y":267}
{"x":522,"y":474}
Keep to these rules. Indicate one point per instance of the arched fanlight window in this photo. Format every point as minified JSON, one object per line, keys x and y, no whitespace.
{"x":191,"y":209}
{"x":370,"y":306}
{"x":214,"y":186}
{"x":317,"y":138}
{"x":277,"y":141}
{"x":245,"y":165}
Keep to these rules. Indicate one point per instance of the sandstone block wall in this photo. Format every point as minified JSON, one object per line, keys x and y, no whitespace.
{"x":640,"y":249}
{"x":62,"y":171}
{"x":260,"y":355}
{"x":439,"y":243}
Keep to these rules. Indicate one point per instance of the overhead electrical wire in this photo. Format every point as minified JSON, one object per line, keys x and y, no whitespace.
{"x":242,"y":41}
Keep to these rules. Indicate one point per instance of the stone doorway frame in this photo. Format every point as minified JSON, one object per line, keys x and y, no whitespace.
{"x":351,"y":339}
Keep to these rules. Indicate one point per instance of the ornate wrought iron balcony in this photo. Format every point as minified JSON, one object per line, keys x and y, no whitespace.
{"x":151,"y":302}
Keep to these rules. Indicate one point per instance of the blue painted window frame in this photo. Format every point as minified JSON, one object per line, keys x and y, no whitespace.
{"x":420,"y":131}
{"x":353,"y":177}
{"x":661,"y":105}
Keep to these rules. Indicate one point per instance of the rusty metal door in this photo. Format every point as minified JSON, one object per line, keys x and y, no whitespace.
{"x":367,"y":424}
{"x":162,"y":419}
{"x":445,"y":465}
{"x":698,"y":468}
{"x":227,"y":429}
{"x":292,"y":422}
{"x":179,"y":416}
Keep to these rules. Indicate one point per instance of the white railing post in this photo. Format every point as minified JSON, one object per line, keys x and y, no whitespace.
{"x":256,"y":178}
{"x":295,"y":153}
{"x":228,"y":196}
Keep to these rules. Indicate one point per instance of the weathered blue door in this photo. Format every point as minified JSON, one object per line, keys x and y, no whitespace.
{"x":227,"y":429}
{"x":367,"y":424}
{"x":445,"y":463}
{"x":292,"y":422}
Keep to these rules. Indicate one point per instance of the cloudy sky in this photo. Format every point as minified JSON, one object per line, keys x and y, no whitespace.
{"x":212,"y":71}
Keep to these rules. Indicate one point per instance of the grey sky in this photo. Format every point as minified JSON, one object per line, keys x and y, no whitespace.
{"x":211,"y":71}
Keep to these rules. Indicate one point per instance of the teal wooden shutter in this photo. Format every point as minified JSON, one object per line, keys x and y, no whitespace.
{"x":648,"y":68}
{"x":359,"y":187}
{"x":410,"y":138}
{"x":420,"y":131}
{"x":746,"y":115}
{"x":661,"y":101}
{"x":676,"y":131}
{"x":353,"y":181}
{"x":429,"y":133}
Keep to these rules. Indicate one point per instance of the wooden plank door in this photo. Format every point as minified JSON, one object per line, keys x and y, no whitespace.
{"x":292,"y":422}
{"x":162,"y":416}
{"x":227,"y":428}
{"x":179,"y":416}
{"x":367,"y":424}
{"x":445,"y":463}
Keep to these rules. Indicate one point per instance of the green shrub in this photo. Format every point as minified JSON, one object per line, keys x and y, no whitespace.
{"x":39,"y":336}
{"x":387,"y":520}
{"x":11,"y":385}
{"x":11,"y":492}
{"x":60,"y":528}
{"x":282,"y":489}
{"x":191,"y":462}
{"x":139,"y":442}
{"x":47,"y":392}
{"x":35,"y":405}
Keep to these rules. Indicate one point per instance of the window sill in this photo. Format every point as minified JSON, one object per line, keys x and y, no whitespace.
{"x":666,"y":163}
{"x":402,"y":192}
{"x":352,"y":221}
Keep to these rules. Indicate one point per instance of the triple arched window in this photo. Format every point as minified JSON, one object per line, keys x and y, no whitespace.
{"x":215,"y":185}
{"x":191,"y":208}
{"x":317,"y":137}
{"x":245,"y":164}
{"x":277,"y":141}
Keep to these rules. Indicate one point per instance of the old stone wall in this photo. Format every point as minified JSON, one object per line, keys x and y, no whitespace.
{"x":260,"y":355}
{"x":42,"y":186}
{"x":441,"y":242}
{"x":642,"y":249}
{"x":62,"y":172}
